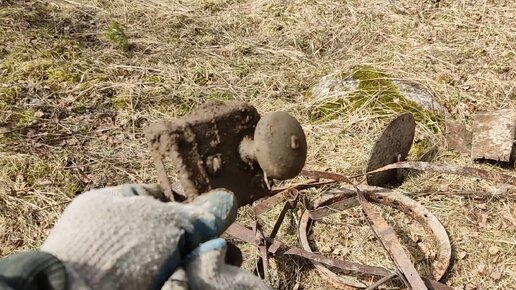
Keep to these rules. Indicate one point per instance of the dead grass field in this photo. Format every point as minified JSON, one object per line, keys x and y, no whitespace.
{"x":74,"y":100}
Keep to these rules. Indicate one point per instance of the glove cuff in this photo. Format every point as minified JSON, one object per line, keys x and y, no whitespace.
{"x":34,"y":270}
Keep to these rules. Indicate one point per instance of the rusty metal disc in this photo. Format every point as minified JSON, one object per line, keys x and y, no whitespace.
{"x":392,"y":146}
{"x":386,"y":197}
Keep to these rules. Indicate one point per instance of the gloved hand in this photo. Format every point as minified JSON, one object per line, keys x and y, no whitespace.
{"x":122,"y":238}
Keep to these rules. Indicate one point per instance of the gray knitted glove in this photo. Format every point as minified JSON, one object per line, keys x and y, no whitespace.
{"x":206,"y":269}
{"x":121,"y":238}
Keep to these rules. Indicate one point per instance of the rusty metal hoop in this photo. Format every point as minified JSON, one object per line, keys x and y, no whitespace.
{"x":390,"y":198}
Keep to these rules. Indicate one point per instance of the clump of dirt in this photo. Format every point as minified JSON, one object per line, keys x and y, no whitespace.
{"x":227,"y":145}
{"x":204,"y":147}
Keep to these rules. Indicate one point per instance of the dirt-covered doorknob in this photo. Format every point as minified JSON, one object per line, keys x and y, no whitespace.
{"x":279,"y":146}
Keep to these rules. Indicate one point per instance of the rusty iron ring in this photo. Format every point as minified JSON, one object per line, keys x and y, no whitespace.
{"x":390,"y":198}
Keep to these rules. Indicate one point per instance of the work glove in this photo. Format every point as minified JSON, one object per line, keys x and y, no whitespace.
{"x":123,"y":238}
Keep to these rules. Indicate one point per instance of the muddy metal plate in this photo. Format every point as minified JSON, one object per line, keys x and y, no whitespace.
{"x":204,"y":147}
{"x":392,"y":146}
{"x":493,"y":135}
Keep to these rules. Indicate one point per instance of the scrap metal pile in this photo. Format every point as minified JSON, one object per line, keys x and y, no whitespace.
{"x":229,"y":145}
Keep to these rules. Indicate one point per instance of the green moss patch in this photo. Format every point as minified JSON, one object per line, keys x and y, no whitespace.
{"x":55,"y":67}
{"x":220,"y":96}
{"x":121,"y":101}
{"x":375,"y":94}
{"x":35,"y":171}
{"x":116,"y":36}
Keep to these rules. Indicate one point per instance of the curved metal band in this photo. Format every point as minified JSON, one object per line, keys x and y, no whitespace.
{"x":390,"y":198}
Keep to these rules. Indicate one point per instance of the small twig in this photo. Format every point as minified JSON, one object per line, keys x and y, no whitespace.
{"x":134,"y":67}
{"x":85,"y":5}
{"x":381,"y":281}
{"x":501,"y":241}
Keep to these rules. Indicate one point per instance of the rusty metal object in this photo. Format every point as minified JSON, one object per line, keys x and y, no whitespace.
{"x":392,"y":146}
{"x":268,"y":203}
{"x":422,"y":215}
{"x":391,"y":242}
{"x":204,"y":146}
{"x":325,"y":175}
{"x":276,"y":247}
{"x":262,"y":244}
{"x":290,"y":204}
{"x":336,"y":280}
{"x":346,"y":193}
{"x":303,"y":185}
{"x":286,"y":193}
{"x":493,"y":135}
{"x":218,"y":146}
{"x":346,"y":198}
{"x":227,"y":145}
{"x":339,"y":205}
{"x":282,"y":194}
{"x":436,"y":285}
{"x":452,"y":169}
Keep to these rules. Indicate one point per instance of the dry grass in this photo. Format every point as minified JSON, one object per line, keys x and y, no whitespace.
{"x":73,"y":104}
